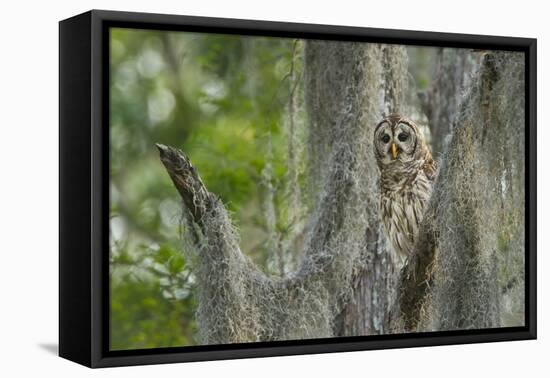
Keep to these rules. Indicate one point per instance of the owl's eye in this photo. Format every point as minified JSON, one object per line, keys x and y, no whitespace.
{"x":403,"y":137}
{"x":385,"y":138}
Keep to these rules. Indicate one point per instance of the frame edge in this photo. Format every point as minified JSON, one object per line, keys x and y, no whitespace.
{"x":74,"y":192}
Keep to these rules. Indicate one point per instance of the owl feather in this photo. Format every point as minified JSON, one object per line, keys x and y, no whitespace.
{"x":407,"y":173}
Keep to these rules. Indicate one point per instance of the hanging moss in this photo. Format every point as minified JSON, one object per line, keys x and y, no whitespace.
{"x":468,"y":268}
{"x":440,"y":102}
{"x":238,"y":302}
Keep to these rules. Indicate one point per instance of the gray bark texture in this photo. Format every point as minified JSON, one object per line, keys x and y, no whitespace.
{"x":374,"y":281}
{"x":440,"y":103}
{"x":347,"y":280}
{"x":467,"y":270}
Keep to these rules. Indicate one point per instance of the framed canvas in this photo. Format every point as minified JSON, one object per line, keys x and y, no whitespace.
{"x":234,"y":188}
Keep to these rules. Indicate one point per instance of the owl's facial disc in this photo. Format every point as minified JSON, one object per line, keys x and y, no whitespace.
{"x":396,"y":140}
{"x":404,"y":137}
{"x":383,"y":141}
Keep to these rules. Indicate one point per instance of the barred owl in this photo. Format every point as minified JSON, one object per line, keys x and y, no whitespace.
{"x":407,"y":173}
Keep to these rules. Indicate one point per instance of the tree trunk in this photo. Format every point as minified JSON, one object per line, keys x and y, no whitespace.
{"x":239,"y":303}
{"x":440,"y":103}
{"x":374,"y":283}
{"x":468,"y":271}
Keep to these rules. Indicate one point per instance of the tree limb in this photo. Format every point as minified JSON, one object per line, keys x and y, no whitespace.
{"x":187,"y":181}
{"x":452,"y":280}
{"x":414,"y":281}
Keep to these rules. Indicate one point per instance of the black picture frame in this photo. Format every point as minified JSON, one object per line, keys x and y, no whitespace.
{"x":84,"y":188}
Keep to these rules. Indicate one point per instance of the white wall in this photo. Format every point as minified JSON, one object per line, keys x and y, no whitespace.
{"x":29,"y":185}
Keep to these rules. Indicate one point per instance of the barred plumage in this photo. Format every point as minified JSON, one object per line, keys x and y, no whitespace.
{"x":407,"y":172}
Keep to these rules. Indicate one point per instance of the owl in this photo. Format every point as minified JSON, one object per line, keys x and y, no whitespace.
{"x":407,"y":173}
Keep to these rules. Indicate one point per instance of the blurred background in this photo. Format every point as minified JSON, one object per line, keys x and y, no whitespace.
{"x":227,"y":102}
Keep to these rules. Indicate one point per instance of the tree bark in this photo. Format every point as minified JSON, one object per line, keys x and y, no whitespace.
{"x":440,"y":103}
{"x":374,"y":282}
{"x":473,"y":228}
{"x":239,"y":303}
{"x":339,"y":79}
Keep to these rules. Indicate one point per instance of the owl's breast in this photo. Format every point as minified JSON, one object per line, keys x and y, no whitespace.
{"x":402,"y":208}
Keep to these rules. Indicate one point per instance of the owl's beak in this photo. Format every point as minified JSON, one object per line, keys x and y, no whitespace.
{"x":393,"y":151}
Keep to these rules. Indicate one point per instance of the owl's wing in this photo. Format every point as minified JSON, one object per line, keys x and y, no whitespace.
{"x":430,"y":168}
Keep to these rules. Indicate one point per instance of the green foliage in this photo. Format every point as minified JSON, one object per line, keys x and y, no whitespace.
{"x":151,"y":298}
{"x":141,"y":318}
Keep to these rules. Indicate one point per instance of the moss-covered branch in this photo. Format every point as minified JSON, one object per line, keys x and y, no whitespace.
{"x":187,"y":181}
{"x":461,"y":263}
{"x":238,"y":302}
